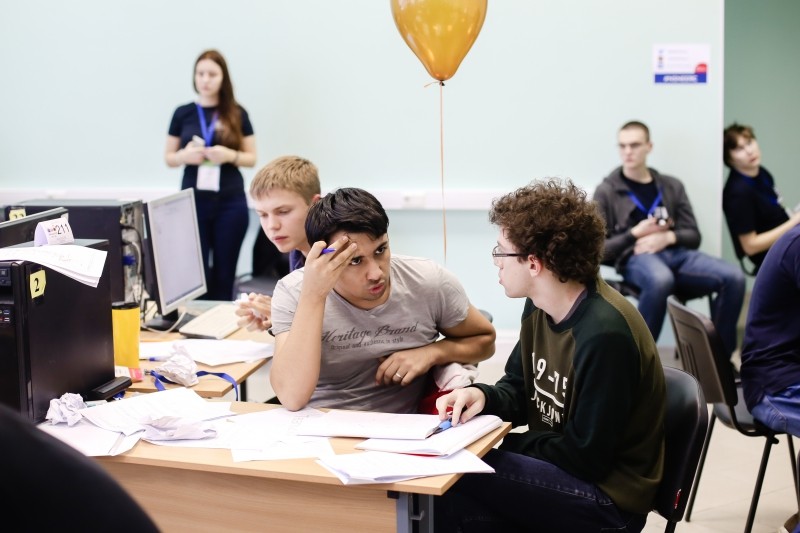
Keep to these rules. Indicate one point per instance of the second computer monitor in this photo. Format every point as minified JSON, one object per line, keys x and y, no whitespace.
{"x":175,"y":271}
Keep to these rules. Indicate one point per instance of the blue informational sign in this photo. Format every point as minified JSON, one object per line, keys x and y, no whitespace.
{"x":680,"y":63}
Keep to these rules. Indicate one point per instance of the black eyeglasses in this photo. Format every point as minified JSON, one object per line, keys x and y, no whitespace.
{"x":496,"y":253}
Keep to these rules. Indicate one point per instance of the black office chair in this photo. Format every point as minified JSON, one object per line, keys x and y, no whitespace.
{"x":628,"y":289}
{"x":68,"y":491}
{"x":702,"y":355}
{"x":685,"y":427}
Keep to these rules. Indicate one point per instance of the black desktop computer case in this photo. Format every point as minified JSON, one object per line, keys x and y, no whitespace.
{"x":111,"y":220}
{"x":58,"y":342}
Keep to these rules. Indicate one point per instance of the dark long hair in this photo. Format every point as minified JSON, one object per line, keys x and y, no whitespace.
{"x":229,"y":121}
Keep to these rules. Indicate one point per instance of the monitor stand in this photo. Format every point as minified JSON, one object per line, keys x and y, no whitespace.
{"x":168,"y":322}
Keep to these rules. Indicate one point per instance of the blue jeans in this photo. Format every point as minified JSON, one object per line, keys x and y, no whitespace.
{"x":780,"y":411}
{"x":223,"y":224}
{"x":690,"y":273}
{"x":526,"y":495}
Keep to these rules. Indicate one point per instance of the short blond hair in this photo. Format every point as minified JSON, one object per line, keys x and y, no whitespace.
{"x":289,"y":172}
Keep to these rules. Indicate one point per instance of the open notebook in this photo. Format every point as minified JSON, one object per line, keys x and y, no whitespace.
{"x":442,"y":443}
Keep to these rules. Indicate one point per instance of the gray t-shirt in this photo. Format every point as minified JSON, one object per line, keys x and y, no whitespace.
{"x":424,"y":299}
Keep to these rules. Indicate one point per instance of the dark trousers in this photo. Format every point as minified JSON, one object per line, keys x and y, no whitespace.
{"x":527,"y":495}
{"x":223,"y":225}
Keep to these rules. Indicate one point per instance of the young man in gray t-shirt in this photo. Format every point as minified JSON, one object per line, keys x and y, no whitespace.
{"x":359,"y":329}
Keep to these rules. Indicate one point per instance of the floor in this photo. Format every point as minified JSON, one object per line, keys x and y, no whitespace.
{"x":728,"y":477}
{"x":728,"y":480}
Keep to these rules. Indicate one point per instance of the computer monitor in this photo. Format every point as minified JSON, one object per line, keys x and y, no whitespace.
{"x":174,"y":268}
{"x":21,"y":230}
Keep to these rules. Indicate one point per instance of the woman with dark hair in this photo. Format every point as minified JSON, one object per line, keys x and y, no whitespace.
{"x":211,"y":138}
{"x":753,"y":208}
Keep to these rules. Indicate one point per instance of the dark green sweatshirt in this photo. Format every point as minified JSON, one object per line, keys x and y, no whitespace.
{"x":591,"y":390}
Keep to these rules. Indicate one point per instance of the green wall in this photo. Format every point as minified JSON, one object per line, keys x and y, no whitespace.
{"x":762,"y":87}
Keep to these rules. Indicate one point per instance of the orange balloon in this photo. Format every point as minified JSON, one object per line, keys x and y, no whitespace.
{"x":439,"y":32}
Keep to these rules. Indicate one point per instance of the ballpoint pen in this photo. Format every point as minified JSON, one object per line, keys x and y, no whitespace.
{"x":327,"y":251}
{"x":445,"y":424}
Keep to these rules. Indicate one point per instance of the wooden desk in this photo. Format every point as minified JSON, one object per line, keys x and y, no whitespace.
{"x":193,"y":489}
{"x":208,"y":386}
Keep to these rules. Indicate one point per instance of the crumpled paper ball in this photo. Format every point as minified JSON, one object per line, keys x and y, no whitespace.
{"x":177,"y":428}
{"x":180,"y":367}
{"x":65,"y":409}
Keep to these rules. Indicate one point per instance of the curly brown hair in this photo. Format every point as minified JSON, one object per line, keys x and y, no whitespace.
{"x":553,"y":220}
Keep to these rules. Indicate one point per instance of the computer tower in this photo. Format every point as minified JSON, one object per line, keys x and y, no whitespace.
{"x":117,"y":221}
{"x":55,"y":339}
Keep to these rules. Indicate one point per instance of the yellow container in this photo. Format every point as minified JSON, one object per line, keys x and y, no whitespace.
{"x":125,"y":321}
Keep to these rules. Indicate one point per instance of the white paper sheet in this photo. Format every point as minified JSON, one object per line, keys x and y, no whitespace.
{"x":340,"y":423}
{"x":381,"y":467}
{"x":89,"y":439}
{"x":125,"y":416}
{"x":77,"y":262}
{"x":269,"y":435}
{"x":443,"y":443}
{"x":210,"y":352}
{"x":223,"y":439}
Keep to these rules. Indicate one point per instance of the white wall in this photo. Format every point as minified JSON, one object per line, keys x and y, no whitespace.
{"x":89,"y":88}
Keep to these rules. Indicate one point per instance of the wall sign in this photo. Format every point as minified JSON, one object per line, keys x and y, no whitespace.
{"x":681,"y":63}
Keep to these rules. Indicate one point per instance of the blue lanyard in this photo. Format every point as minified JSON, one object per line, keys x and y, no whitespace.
{"x":766,"y":191}
{"x":638,"y":203}
{"x":158,"y":379}
{"x":207,"y":129}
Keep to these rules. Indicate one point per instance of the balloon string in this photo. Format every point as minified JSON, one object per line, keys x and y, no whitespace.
{"x":441,"y":160}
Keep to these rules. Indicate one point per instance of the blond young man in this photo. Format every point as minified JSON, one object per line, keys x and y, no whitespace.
{"x":282,"y":192}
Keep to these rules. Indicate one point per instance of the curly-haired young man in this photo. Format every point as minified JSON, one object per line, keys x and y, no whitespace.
{"x":585,"y":377}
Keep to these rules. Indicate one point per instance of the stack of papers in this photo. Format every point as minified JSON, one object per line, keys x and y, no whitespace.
{"x":399,"y":433}
{"x":400,"y":446}
{"x":77,"y":262}
{"x":210,"y":352}
{"x":380,"y":467}
{"x":369,"y":424}
{"x":443,"y":443}
{"x":114,"y":427}
{"x":126,"y":416}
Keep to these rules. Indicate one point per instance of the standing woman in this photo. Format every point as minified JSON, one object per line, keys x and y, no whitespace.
{"x":212,"y":137}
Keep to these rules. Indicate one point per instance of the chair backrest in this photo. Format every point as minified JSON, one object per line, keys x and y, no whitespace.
{"x":267,"y":259}
{"x":702,"y":353}
{"x":685,"y":426}
{"x":78,"y":494}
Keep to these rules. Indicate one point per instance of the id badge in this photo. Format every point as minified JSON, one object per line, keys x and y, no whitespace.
{"x":208,"y":177}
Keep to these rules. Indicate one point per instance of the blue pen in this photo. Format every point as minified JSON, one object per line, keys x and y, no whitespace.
{"x":445,"y":424}
{"x":160,"y":358}
{"x":327,"y":251}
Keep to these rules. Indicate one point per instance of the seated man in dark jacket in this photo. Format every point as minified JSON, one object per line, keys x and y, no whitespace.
{"x":652,"y":240}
